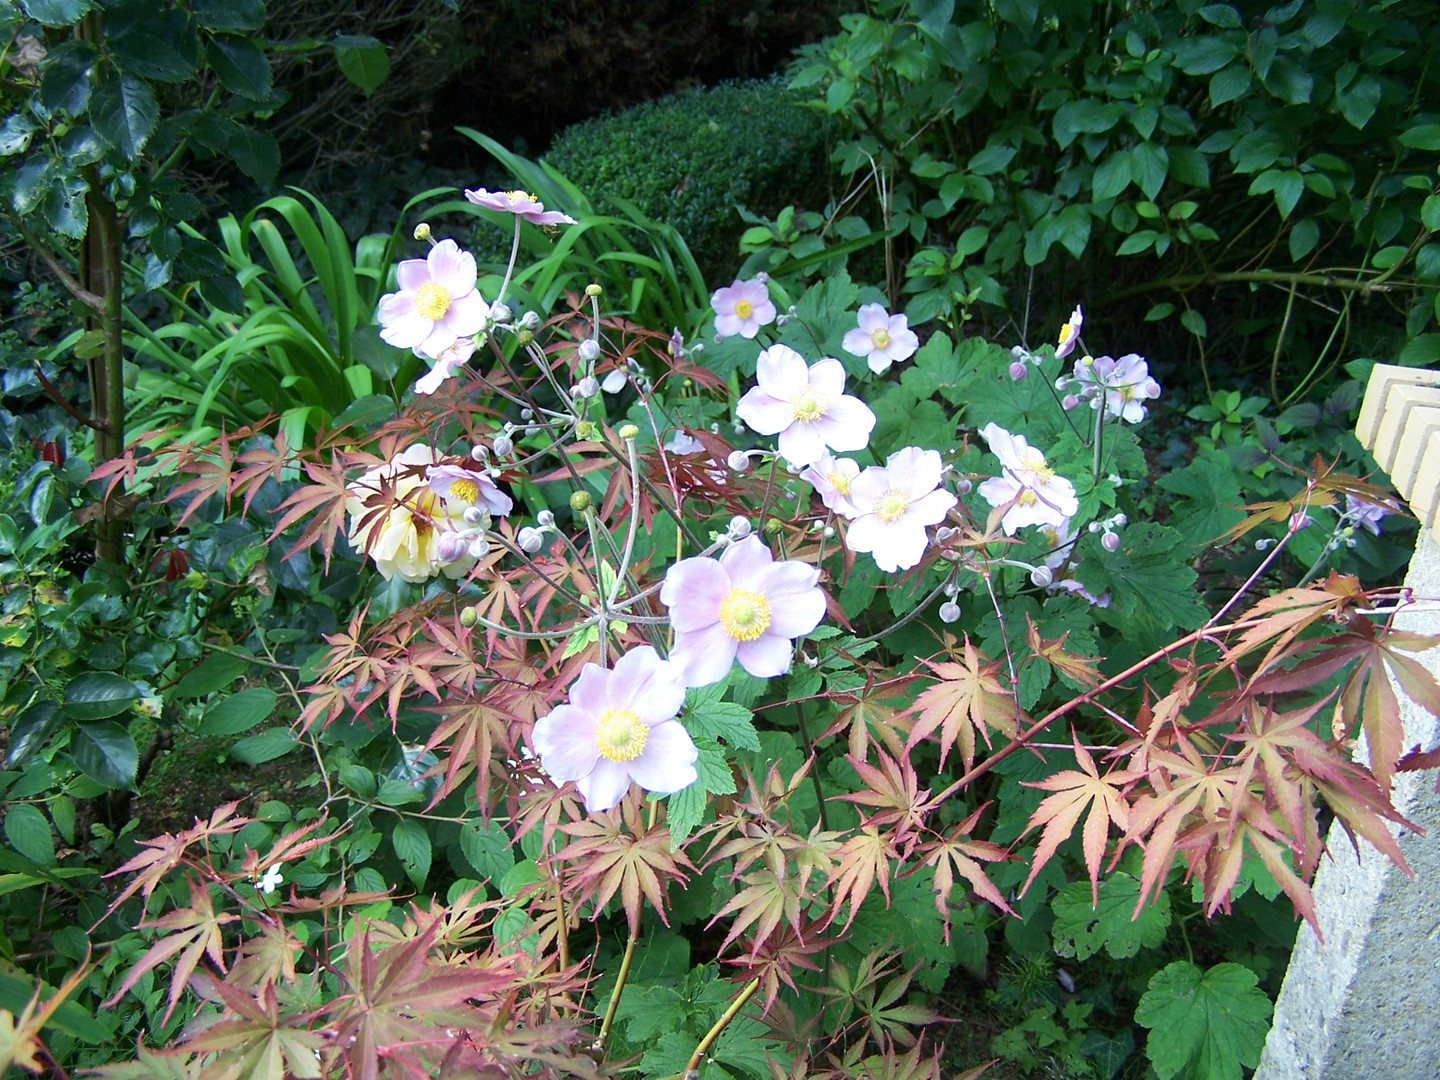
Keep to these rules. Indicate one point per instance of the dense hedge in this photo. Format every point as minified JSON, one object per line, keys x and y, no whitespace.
{"x":690,"y":159}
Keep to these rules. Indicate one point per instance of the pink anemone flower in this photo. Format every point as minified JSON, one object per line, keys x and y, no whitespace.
{"x":883,"y":339}
{"x":832,"y":478}
{"x":520,"y":203}
{"x":805,"y":406}
{"x":1070,"y":333}
{"x":894,"y":504}
{"x":437,"y":304}
{"x":742,"y":307}
{"x":619,"y":727}
{"x":742,"y":606}
{"x":469,"y":487}
{"x":1040,"y":496}
{"x":446,"y":364}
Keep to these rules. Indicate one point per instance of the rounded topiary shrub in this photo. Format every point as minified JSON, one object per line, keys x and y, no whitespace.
{"x":690,"y":159}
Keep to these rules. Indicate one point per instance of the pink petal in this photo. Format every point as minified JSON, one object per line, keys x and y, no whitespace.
{"x":872,"y":317}
{"x":440,"y":338}
{"x":451,"y":268}
{"x":693,"y":590}
{"x":408,"y":331}
{"x":804,"y":444}
{"x":668,"y":761}
{"x":867,"y":489}
{"x":411,"y":274}
{"x":467,"y":314}
{"x":915,"y":471}
{"x":827,"y":378}
{"x":796,"y":603}
{"x":650,"y":686}
{"x":588,"y":691}
{"x":903,"y":343}
{"x":704,"y":656}
{"x":729,"y":324}
{"x":781,"y":372}
{"x":767,"y":656}
{"x":999,"y":490}
{"x":766,"y":415}
{"x":764,"y":311}
{"x":858,"y":342}
{"x":930,"y":509}
{"x":866,"y":533}
{"x":395,"y":305}
{"x":747,"y":562}
{"x":565,"y":741}
{"x":604,"y":786}
{"x":847,"y":424}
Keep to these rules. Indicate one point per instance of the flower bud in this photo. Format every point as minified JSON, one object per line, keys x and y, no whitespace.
{"x":474,"y":515}
{"x":628,"y":431}
{"x":479,"y":547}
{"x":593,"y":290}
{"x":613,"y":382}
{"x":589,"y":350}
{"x":963,"y":486}
{"x":450,"y":547}
{"x":1042,"y":576}
{"x":524,"y":338}
{"x":738,"y":460}
{"x":772,"y":526}
{"x":468,"y":616}
{"x":502,"y":445}
{"x":828,"y":531}
{"x":1110,"y":541}
{"x":527,"y":414}
{"x":530,"y":540}
{"x":740,"y":527}
{"x":545,"y":519}
{"x":479,"y":452}
{"x":951,"y":589}
{"x":949,"y":611}
{"x":422,"y":231}
{"x":943,"y":533}
{"x":580,"y":501}
{"x":1120,"y":520}
{"x":1018,"y":370}
{"x":587,"y":387}
{"x":500,"y":313}
{"x":1069,"y":401}
{"x":584,"y":430}
{"x":529,"y":321}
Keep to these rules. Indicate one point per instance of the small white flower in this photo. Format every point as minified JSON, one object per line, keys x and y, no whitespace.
{"x":270,"y":881}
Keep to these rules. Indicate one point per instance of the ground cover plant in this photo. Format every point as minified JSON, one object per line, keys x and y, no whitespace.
{"x":749,"y":680}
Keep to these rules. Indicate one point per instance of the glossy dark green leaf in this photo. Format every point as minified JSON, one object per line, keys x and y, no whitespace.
{"x":239,"y":712}
{"x":65,"y":80}
{"x":16,"y":133}
{"x":28,"y":831}
{"x":255,"y":152}
{"x":31,"y":180}
{"x":266,"y":746}
{"x":65,"y":210}
{"x":363,"y":61}
{"x":96,"y":695}
{"x":158,"y":272}
{"x":32,"y":730}
{"x":216,"y":672}
{"x":152,"y":40}
{"x":241,"y":66}
{"x":124,"y":112}
{"x":81,"y":146}
{"x":105,"y":752}
{"x":239,"y":15}
{"x":412,"y":844}
{"x":56,"y":12}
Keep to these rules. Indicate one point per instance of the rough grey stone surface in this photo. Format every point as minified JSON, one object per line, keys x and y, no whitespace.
{"x":1365,"y":1003}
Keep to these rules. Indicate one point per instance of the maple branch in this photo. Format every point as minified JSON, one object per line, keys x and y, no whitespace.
{"x":53,"y":393}
{"x":720,"y":1025}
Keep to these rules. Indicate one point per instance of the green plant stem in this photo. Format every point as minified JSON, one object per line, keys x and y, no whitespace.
{"x":814,"y":775}
{"x":510,"y":266}
{"x":1264,"y":277}
{"x":1280,"y":345}
{"x":720,"y":1025}
{"x":614,"y":1005}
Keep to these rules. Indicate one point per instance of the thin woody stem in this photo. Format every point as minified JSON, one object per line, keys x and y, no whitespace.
{"x":614,"y":1005}
{"x":720,"y":1025}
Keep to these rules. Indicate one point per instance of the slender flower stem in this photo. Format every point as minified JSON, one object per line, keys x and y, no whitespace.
{"x":510,"y":266}
{"x":614,"y":1005}
{"x":634,"y":522}
{"x":721,"y":1025}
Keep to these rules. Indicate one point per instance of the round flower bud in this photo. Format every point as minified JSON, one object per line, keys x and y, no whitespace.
{"x":772,"y":526}
{"x":963,"y":486}
{"x":545,"y":518}
{"x":1041,"y":576}
{"x":580,"y":501}
{"x":524,"y":338}
{"x":1120,"y":520}
{"x":945,"y":532}
{"x":500,"y":313}
{"x":949,"y":611}
{"x":740,"y":527}
{"x":1110,"y":541}
{"x":584,"y":430}
{"x":474,"y":515}
{"x":527,"y":414}
{"x":1069,"y":401}
{"x":738,"y":460}
{"x":422,"y":231}
{"x":593,"y":290}
{"x":1018,"y":370}
{"x":628,"y":431}
{"x":450,"y":547}
{"x":468,"y":616}
{"x":529,"y":321}
{"x":479,"y":547}
{"x":589,"y":350}
{"x":479,"y":452}
{"x":950,"y":589}
{"x":588,"y":387}
{"x":502,"y":445}
{"x":530,"y":540}
{"x":828,"y":531}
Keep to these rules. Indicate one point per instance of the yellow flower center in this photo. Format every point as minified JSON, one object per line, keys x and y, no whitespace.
{"x":519,"y":196}
{"x":840,"y":482}
{"x":880,"y":337}
{"x":1067,"y":332}
{"x":620,"y":735}
{"x":745,"y":614}
{"x":1127,"y":392}
{"x":432,"y":300}
{"x":1028,"y":497}
{"x":1033,"y":462}
{"x":807,"y":406}
{"x":892,"y":506}
{"x":465,"y":489}
{"x":744,"y":309}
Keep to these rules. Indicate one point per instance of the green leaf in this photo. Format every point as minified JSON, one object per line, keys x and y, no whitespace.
{"x":1430,"y":213}
{"x":1207,"y":1023}
{"x":267,"y":746}
{"x":56,"y":12}
{"x":1359,"y":102}
{"x":1221,"y":15}
{"x":993,"y":159}
{"x":1204,"y":55}
{"x":255,"y":152}
{"x":15,"y":134}
{"x":1080,"y":930}
{"x":1304,"y":235}
{"x":123,"y":112}
{"x":239,"y":15}
{"x":30,"y":185}
{"x":1210,"y":498}
{"x":70,"y":1018}
{"x":487,"y":849}
{"x":1150,"y":585}
{"x":362,"y":60}
{"x":65,"y":210}
{"x":105,"y":752}
{"x":151,"y":41}
{"x":707,"y":715}
{"x":239,"y":712}
{"x":1421,"y":137}
{"x":1193,"y":321}
{"x":96,"y":695}
{"x":1112,"y":176}
{"x":1149,"y":163}
{"x":29,"y":833}
{"x":32,"y":730}
{"x":241,"y":66}
{"x":216,"y":672}
{"x":1229,"y":84}
{"x":713,"y":767}
{"x":412,"y":844}
{"x":65,"y":80}
{"x":684,"y":811}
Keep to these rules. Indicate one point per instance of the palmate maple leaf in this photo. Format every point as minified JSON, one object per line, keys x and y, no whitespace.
{"x":251,"y":1039}
{"x":20,"y":1035}
{"x":968,"y":698}
{"x":1074,"y":792}
{"x":167,"y":851}
{"x":613,"y":853}
{"x":955,"y":853}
